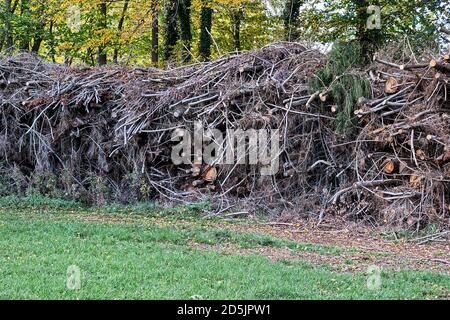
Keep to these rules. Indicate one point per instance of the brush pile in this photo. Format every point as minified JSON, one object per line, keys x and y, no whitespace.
{"x":106,"y":134}
{"x":402,"y":152}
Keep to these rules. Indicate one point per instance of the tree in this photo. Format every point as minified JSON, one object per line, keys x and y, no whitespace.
{"x":172,"y":33}
{"x":184,"y":13}
{"x":155,"y":31}
{"x":290,"y":17}
{"x":51,"y":42}
{"x":37,"y":41}
{"x":24,"y":11}
{"x":8,"y":12}
{"x":237,"y":15}
{"x":244,"y":25}
{"x":102,"y":58}
{"x":120,"y":28}
{"x":129,"y":29}
{"x":206,"y":17}
{"x":38,"y":26}
{"x":346,"y":20}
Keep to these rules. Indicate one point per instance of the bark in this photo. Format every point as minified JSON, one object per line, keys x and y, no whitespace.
{"x":119,"y":30}
{"x":37,"y":44}
{"x":52,"y":42}
{"x":236,"y":18}
{"x":155,"y":32}
{"x":184,"y":13}
{"x":369,"y":39}
{"x":39,"y":38}
{"x":102,"y":57}
{"x":205,"y":31}
{"x":24,"y":9}
{"x":290,"y":17}
{"x":171,"y":35}
{"x":8,"y":27}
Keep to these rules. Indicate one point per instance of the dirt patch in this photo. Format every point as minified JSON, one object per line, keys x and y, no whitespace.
{"x":345,"y":262}
{"x":363,"y":247}
{"x":103,"y":218}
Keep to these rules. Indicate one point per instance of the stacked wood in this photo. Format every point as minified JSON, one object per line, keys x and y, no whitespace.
{"x":404,"y":141}
{"x":106,"y":135}
{"x":108,"y":131}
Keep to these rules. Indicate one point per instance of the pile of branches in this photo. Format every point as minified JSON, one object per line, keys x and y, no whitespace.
{"x":402,"y":153}
{"x":106,"y":134}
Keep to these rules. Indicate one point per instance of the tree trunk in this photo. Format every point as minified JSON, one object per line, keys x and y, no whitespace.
{"x":37,"y":41}
{"x":171,"y":35}
{"x":205,"y":31}
{"x":155,"y":32}
{"x":24,"y":9}
{"x":361,"y":13}
{"x":102,"y":58}
{"x":290,"y":17}
{"x":36,"y":44}
{"x":184,"y":13}
{"x":237,"y":16}
{"x":8,"y":27}
{"x":119,"y":30}
{"x":90,"y":57}
{"x":51,"y":42}
{"x":68,"y":60}
{"x":368,"y":39}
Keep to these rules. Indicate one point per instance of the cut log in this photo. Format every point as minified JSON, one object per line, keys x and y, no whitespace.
{"x":421,"y":154}
{"x":389,"y":166}
{"x":440,"y":66}
{"x":391,"y":85}
{"x":210,"y":174}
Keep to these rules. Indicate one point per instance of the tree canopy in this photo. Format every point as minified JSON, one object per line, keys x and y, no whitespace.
{"x":97,"y":32}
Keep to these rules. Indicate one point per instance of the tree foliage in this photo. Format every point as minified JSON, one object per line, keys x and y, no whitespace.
{"x":328,"y":20}
{"x":128,"y":31}
{"x":342,"y":87}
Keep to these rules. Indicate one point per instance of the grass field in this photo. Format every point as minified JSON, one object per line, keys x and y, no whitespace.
{"x":143,"y":252}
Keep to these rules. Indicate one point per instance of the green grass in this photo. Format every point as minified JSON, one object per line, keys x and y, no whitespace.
{"x":146,"y":256}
